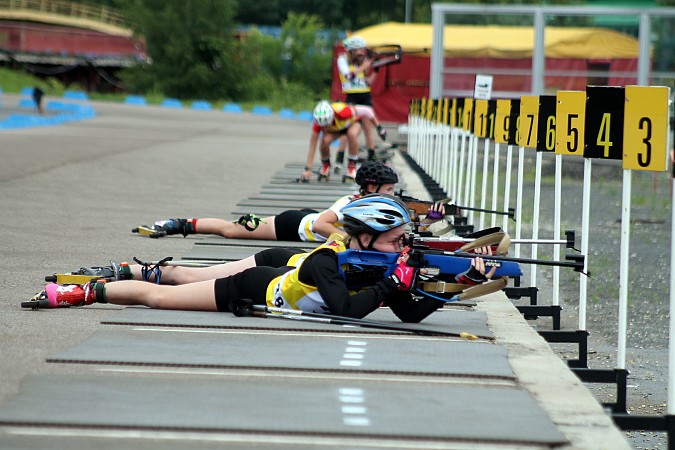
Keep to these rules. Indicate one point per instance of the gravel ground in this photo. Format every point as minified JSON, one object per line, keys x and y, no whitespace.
{"x":649,"y":275}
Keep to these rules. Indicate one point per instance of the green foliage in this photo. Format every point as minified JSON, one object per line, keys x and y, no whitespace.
{"x":15,"y":81}
{"x":306,"y":56}
{"x":193,"y":54}
{"x":297,"y":65}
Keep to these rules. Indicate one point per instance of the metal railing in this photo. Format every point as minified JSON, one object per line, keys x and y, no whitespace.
{"x":65,"y":8}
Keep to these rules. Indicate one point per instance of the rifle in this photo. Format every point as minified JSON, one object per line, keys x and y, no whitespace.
{"x":421,"y":207}
{"x":494,"y":237}
{"x":386,"y":54}
{"x":361,"y":268}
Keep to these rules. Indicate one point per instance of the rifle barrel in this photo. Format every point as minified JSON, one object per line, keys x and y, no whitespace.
{"x":502,"y":213}
{"x":540,"y":262}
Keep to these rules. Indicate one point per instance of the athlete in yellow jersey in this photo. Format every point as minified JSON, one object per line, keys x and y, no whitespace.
{"x":375,"y":222}
{"x":354,"y":68}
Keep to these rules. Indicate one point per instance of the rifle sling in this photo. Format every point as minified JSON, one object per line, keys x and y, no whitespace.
{"x":442,"y":287}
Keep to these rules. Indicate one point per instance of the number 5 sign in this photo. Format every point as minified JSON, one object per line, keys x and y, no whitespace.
{"x":645,"y":128}
{"x":570,"y":118}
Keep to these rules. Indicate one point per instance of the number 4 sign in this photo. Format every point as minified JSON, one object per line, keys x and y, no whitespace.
{"x":603,"y":130}
{"x":645,"y":128}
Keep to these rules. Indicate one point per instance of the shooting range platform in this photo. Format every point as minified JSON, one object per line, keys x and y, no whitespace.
{"x":149,"y":379}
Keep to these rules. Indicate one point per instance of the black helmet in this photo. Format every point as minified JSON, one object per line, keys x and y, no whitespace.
{"x":374,"y":214}
{"x":373,"y":172}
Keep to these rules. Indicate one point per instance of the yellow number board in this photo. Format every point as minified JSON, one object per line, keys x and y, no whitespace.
{"x":570,"y":117}
{"x":502,"y":121}
{"x":527,"y":131}
{"x":481,"y":118}
{"x":645,"y":128}
{"x":467,"y":116}
{"x":443,"y":118}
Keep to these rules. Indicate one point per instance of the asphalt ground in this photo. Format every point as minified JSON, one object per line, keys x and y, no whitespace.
{"x":70,"y":195}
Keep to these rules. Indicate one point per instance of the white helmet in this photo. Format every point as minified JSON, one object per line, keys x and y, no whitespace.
{"x":324,"y":114}
{"x":354,"y":43}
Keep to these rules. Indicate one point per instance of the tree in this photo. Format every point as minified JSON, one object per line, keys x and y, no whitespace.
{"x":194,"y":54}
{"x":299,"y":60}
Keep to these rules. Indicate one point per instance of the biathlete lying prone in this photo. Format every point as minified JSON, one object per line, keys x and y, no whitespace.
{"x":284,"y":278}
{"x":305,"y":225}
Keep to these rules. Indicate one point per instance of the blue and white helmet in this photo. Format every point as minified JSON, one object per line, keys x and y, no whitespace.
{"x":374,"y":214}
{"x":354,"y":43}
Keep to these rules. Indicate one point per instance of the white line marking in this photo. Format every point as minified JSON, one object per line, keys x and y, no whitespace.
{"x":351,"y":399}
{"x":351,"y":391}
{"x":347,"y":362}
{"x":356,"y":421}
{"x":348,"y":409}
{"x":355,"y":350}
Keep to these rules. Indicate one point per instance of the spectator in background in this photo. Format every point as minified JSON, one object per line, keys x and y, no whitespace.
{"x":356,"y":76}
{"x":37,"y":99}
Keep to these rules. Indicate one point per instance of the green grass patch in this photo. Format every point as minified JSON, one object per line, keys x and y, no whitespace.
{"x":13,"y":81}
{"x":285,"y":96}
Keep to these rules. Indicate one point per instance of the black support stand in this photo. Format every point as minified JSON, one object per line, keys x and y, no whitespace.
{"x":578,"y":336}
{"x":611,"y":376}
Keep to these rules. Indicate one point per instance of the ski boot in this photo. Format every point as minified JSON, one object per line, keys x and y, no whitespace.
{"x":148,"y":269}
{"x":382,"y":133}
{"x":66,"y":295}
{"x":339,"y":159}
{"x":252,"y":219}
{"x":324,"y":172}
{"x":351,"y":172}
{"x":168,"y":227}
{"x":113,"y":272}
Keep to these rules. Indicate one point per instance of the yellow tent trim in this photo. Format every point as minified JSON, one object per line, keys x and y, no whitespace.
{"x":474,"y":41}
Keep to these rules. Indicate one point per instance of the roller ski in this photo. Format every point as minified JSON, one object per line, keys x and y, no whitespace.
{"x":67,"y":295}
{"x":384,"y":152}
{"x":113,"y":272}
{"x":350,"y":176}
{"x":168,"y":227}
{"x":324,"y":172}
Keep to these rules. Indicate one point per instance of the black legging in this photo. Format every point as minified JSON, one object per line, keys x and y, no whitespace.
{"x":252,"y":283}
{"x":287,"y":223}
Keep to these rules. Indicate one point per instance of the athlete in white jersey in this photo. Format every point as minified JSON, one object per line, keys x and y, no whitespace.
{"x":306,"y":225}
